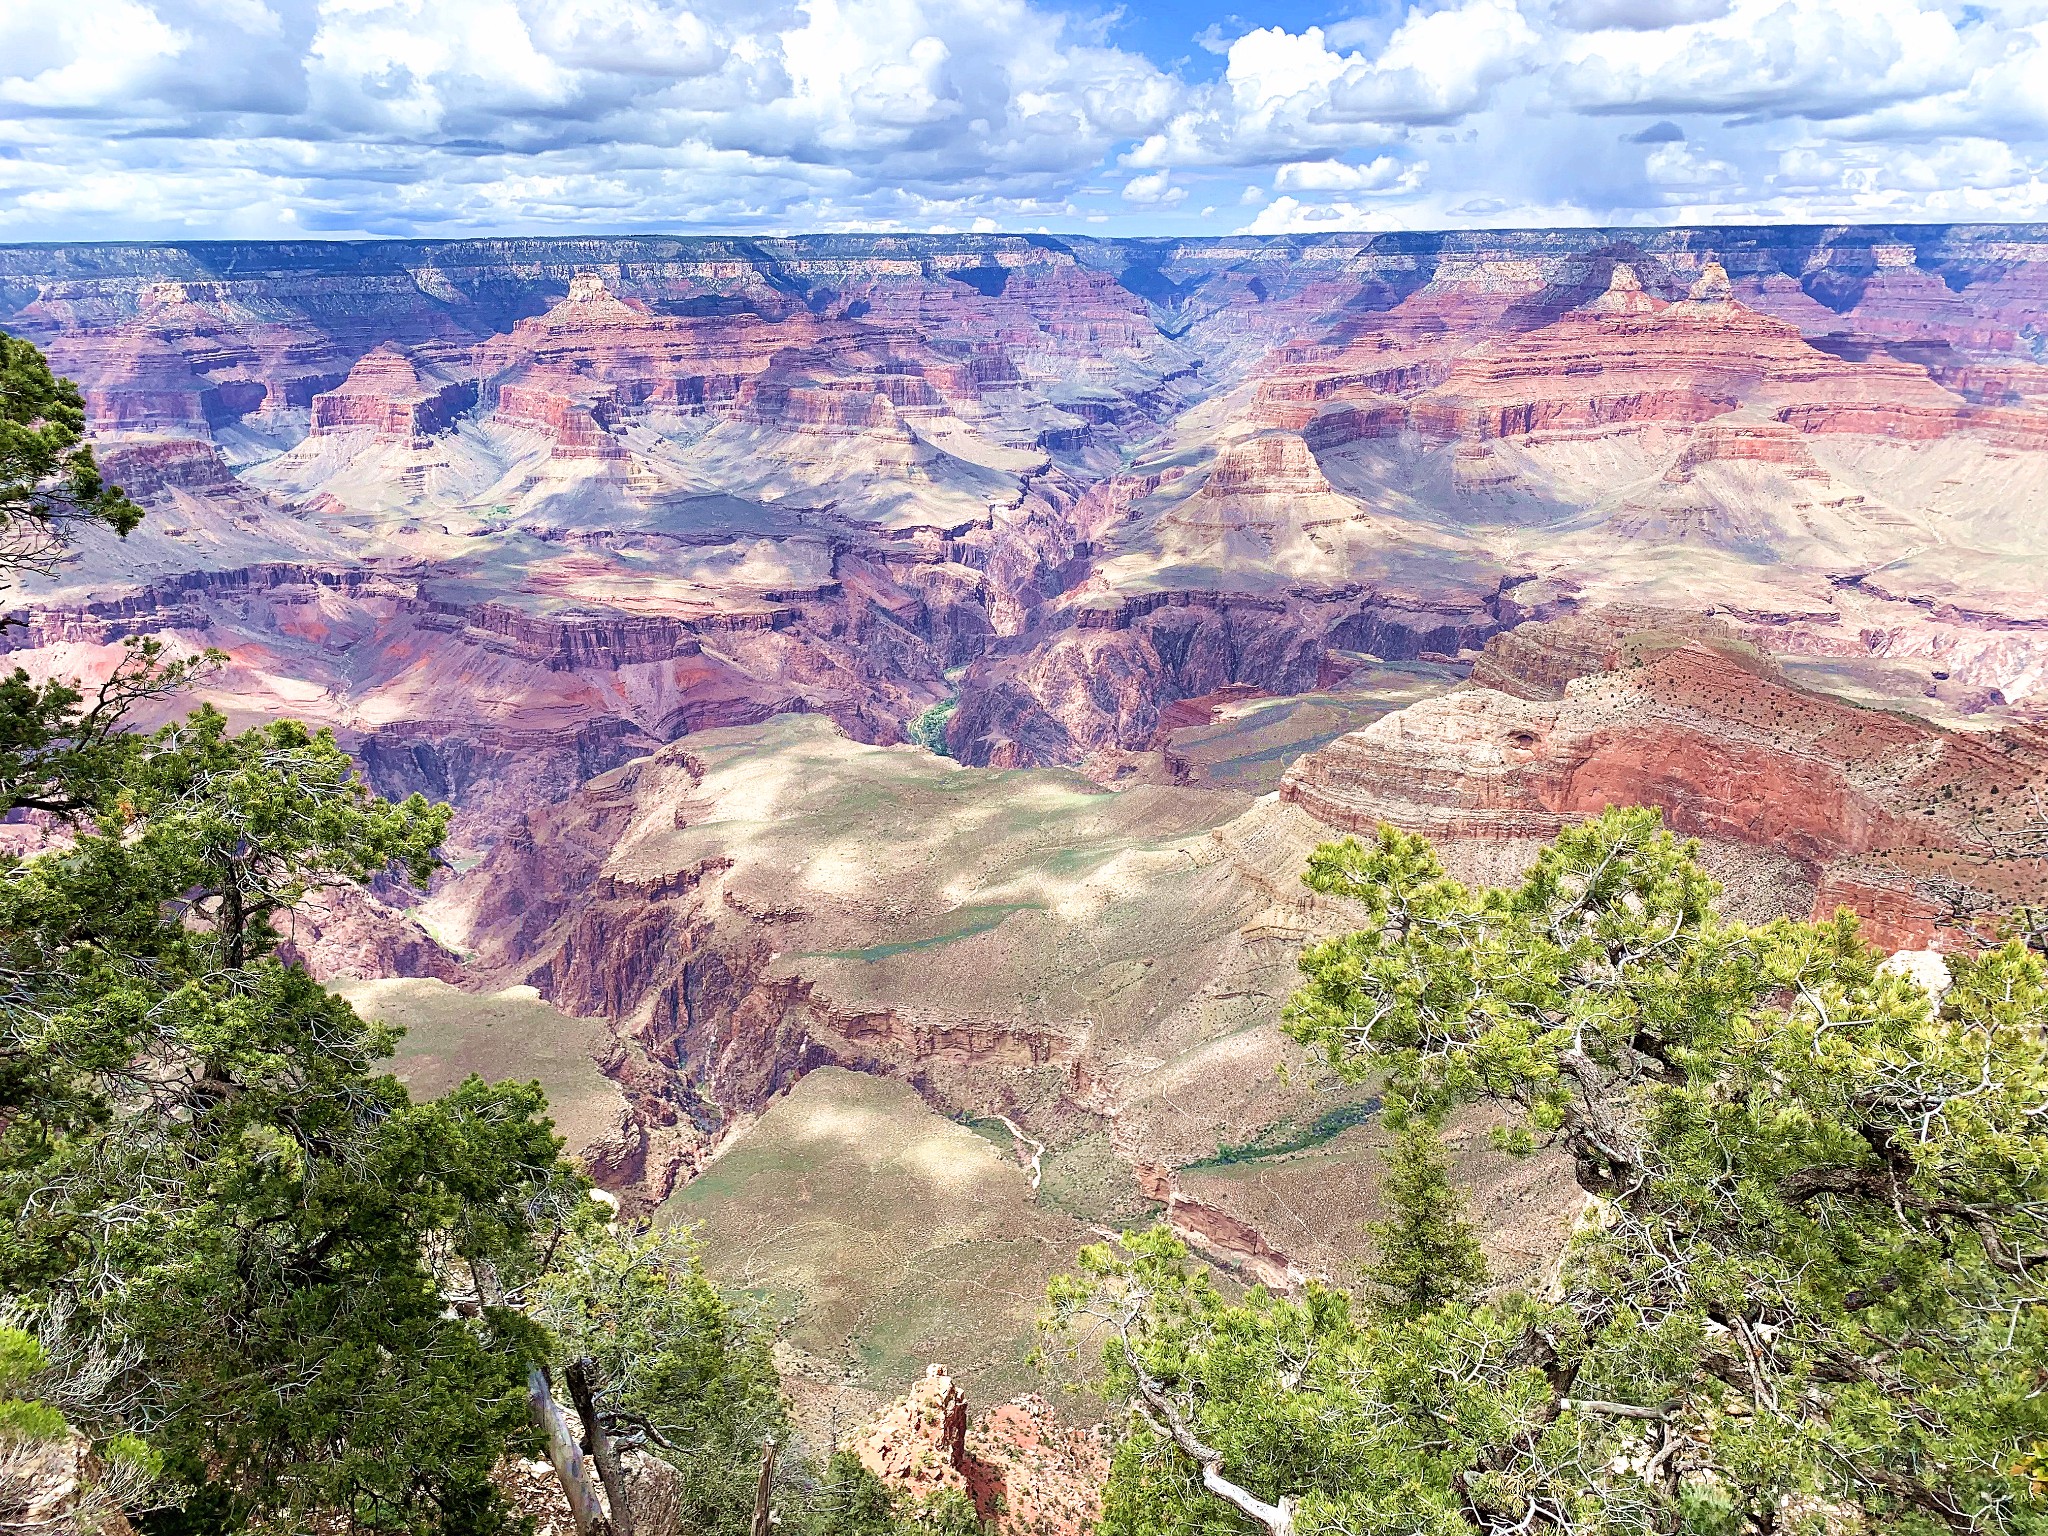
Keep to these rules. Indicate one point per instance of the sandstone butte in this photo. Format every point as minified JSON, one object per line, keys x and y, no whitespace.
{"x":647,"y":554}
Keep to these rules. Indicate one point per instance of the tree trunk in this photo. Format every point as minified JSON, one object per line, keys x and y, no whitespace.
{"x":582,"y":1375}
{"x":232,"y":921}
{"x":763,"y":1510}
{"x":567,"y":1457}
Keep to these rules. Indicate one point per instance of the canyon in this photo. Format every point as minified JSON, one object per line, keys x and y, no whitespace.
{"x":920,"y":666}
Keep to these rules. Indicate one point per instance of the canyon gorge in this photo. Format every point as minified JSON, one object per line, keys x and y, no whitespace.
{"x":889,"y":686}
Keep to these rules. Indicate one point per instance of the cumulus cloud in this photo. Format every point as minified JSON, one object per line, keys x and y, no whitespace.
{"x":1382,"y":173}
{"x":1284,"y":92}
{"x":1816,"y":58}
{"x":1637,"y":15}
{"x":266,"y":117}
{"x":1153,"y":189}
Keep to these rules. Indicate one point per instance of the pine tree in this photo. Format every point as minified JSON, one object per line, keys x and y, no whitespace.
{"x":1427,"y":1253}
{"x":224,"y":1226}
{"x":50,"y":484}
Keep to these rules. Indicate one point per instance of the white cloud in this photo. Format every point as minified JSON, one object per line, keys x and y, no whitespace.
{"x":1438,"y":65}
{"x":1776,"y":57}
{"x":1680,"y":165}
{"x":1289,"y":216}
{"x":1637,"y":15}
{"x":93,"y":53}
{"x":1283,"y":92}
{"x":1383,"y":172}
{"x":180,"y":118}
{"x":1153,"y":189}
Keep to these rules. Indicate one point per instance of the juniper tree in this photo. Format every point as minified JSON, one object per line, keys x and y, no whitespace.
{"x":682,"y":1371}
{"x":233,"y":1229}
{"x":229,"y":1231}
{"x":1808,"y":1294}
{"x":50,"y":483}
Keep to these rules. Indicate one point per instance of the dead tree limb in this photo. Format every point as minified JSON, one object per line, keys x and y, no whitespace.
{"x":764,"y":1510}
{"x":1156,"y":1407}
{"x":566,"y":1455}
{"x":582,"y":1379}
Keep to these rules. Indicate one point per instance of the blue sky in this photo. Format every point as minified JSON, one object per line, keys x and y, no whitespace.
{"x":251,"y":118}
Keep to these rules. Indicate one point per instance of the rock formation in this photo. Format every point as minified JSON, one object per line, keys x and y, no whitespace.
{"x":1881,"y":810}
{"x":59,"y":1486}
{"x":388,"y":393}
{"x":1353,"y":448}
{"x":1026,"y":1473}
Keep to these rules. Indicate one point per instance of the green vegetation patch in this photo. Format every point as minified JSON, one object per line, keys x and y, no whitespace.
{"x":1292,"y":1136}
{"x":887,"y":1235}
{"x":1087,"y":1180}
{"x":508,"y":1036}
{"x":928,"y":730}
{"x":964,"y":923}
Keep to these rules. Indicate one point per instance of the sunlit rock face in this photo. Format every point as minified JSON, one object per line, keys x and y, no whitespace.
{"x":507,"y":514}
{"x":1910,"y":824}
{"x":1025,"y":1472}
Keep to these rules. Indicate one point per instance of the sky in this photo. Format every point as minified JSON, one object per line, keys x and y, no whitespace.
{"x":190,"y":119}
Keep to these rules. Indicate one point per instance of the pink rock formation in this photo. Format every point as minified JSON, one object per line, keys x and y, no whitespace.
{"x":387,"y":393}
{"x":1624,"y":359}
{"x":1026,"y":1473}
{"x":1715,"y":738}
{"x":146,"y":467}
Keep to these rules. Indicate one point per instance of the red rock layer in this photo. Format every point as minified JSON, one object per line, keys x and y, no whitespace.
{"x":1711,"y":736}
{"x":1613,"y":363}
{"x":145,"y":468}
{"x":1745,"y":443}
{"x":192,"y":356}
{"x":595,"y":360}
{"x":1217,"y":1233}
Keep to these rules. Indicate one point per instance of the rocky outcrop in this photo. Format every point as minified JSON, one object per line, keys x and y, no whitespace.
{"x":1026,"y":1472}
{"x":60,"y":1487}
{"x":918,"y":1444}
{"x":348,"y":933}
{"x":1213,"y":1231}
{"x":135,"y":381}
{"x":1744,"y":443}
{"x":146,"y":468}
{"x":1098,"y":685}
{"x":1625,"y":359}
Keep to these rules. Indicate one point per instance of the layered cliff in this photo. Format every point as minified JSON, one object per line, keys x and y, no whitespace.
{"x":1155,"y":469}
{"x":1885,"y":813}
